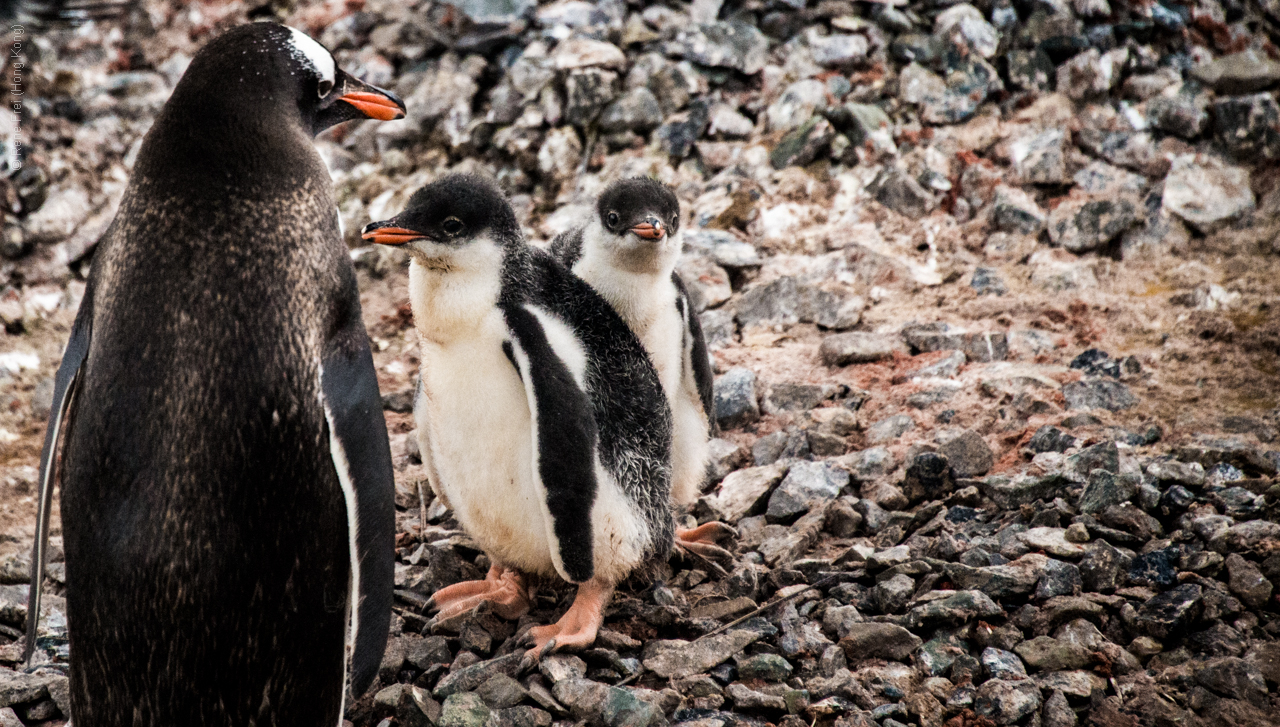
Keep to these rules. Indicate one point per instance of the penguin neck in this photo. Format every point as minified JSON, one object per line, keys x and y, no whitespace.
{"x":453,"y":289}
{"x":205,"y":145}
{"x":636,"y":281}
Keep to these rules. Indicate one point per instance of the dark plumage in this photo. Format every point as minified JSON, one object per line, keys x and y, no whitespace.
{"x":225,"y":472}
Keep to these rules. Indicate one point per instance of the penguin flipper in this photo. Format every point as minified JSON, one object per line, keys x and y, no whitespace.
{"x":565,"y":438}
{"x":64,"y":388}
{"x":701,"y":358}
{"x":362,"y":458}
{"x":567,"y":247}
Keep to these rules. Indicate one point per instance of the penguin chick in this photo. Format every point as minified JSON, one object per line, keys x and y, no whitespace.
{"x":627,"y":251}
{"x":540,"y":418}
{"x":227,"y":491}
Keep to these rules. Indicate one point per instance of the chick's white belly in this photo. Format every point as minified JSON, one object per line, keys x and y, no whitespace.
{"x":664,"y":340}
{"x":475,"y":414}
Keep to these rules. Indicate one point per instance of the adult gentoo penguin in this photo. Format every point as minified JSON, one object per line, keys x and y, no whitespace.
{"x":227,"y":494}
{"x":627,"y":251}
{"x":541,"y":421}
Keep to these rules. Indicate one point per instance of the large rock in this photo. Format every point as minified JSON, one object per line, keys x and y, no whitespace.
{"x":585,"y":52}
{"x":968,"y":453}
{"x":1098,"y":393}
{"x":797,"y":104}
{"x":19,"y":688}
{"x":1207,"y":193}
{"x":928,"y":477}
{"x":890,"y":428}
{"x":495,"y":11}
{"x":964,"y":26}
{"x":1091,"y":74}
{"x":957,"y":607}
{"x":464,"y":709}
{"x":587,"y":91}
{"x":1182,"y":110}
{"x":1106,"y":489}
{"x":1006,"y":702}
{"x":899,"y":191}
{"x":1024,"y":490}
{"x":637,"y":110}
{"x":879,"y":641}
{"x":674,"y":659}
{"x":1247,"y":581}
{"x":1248,"y":127}
{"x":839,"y":49}
{"x":1101,"y":566}
{"x":468,"y":679}
{"x":841,"y":349}
{"x":727,"y":44}
{"x":1087,"y":222}
{"x":1170,"y":612}
{"x":743,"y":491}
{"x":803,"y":144}
{"x":807,"y":485}
{"x":950,"y":100}
{"x":1040,"y":158}
{"x":1052,"y":541}
{"x":1013,"y":210}
{"x":1017,"y":578}
{"x":601,"y":704}
{"x":1044,"y":653}
{"x":735,"y":398}
{"x":1234,"y":678}
{"x":1244,"y":72}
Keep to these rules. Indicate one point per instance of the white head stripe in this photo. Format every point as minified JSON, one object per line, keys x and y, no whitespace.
{"x":313,"y":54}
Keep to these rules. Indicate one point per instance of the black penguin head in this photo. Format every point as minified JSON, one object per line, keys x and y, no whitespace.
{"x":267,"y":69}
{"x":449,"y":214}
{"x":641,"y":207}
{"x":638,"y":221}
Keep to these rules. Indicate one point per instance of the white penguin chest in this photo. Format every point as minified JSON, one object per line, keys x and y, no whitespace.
{"x":473,"y":417}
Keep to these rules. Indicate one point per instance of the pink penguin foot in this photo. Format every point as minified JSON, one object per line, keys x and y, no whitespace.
{"x":703,"y":540}
{"x":505,"y":589}
{"x":577,"y":628}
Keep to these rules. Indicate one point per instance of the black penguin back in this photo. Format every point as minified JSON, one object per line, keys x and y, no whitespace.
{"x":205,"y":527}
{"x":630,"y":408}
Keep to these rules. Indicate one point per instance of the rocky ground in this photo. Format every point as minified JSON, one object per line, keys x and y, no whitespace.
{"x":991,"y":293}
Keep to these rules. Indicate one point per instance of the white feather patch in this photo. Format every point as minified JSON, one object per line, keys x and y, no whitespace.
{"x":343,"y":468}
{"x":310,"y":52}
{"x":564,"y":343}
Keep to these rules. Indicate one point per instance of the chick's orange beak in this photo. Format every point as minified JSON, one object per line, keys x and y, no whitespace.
{"x":382,"y":107}
{"x":649,"y":231}
{"x":389,"y":235}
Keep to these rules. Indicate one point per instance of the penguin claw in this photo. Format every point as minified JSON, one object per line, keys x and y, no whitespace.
{"x":707,"y":550}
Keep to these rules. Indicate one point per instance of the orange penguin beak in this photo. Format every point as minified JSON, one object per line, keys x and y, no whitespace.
{"x":374,"y":232}
{"x":650,"y":230}
{"x":376,"y":104}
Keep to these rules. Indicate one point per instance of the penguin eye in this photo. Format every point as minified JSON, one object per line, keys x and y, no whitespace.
{"x":675,"y":220}
{"x":453,"y":225}
{"x":612,"y":219}
{"x":325,"y":87}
